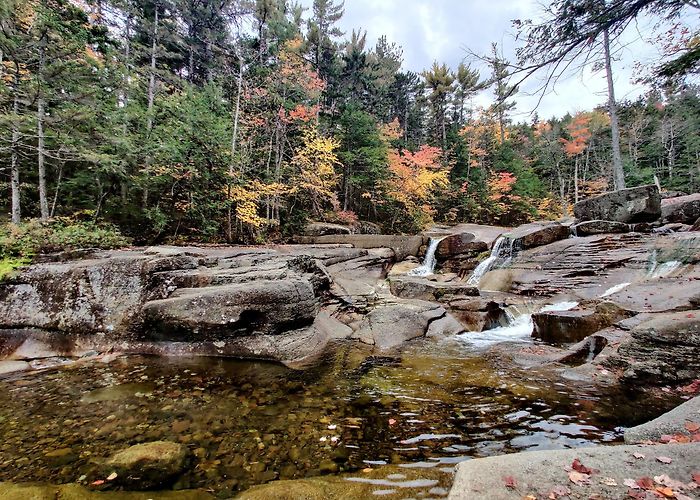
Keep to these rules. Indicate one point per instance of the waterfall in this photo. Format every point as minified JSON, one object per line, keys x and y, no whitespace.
{"x":501,"y":254}
{"x":428,"y":266}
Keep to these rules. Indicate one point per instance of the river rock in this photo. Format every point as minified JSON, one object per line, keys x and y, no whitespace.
{"x":389,"y":326}
{"x":591,"y":227}
{"x":476,"y":314}
{"x":423,"y":289}
{"x":563,"y":327}
{"x":147,"y":465}
{"x":537,"y":234}
{"x":638,"y":204}
{"x":683,"y":209}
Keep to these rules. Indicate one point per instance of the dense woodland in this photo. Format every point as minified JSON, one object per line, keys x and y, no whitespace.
{"x":242,"y":120}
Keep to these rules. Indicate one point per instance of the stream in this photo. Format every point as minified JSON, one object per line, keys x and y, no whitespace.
{"x":249,"y":422}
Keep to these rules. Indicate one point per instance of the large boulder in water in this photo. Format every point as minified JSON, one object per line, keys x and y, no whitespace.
{"x":683,"y":209}
{"x":563,"y":327}
{"x":639,"y":204}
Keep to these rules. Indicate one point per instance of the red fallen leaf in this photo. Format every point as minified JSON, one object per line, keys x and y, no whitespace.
{"x":646,"y":483}
{"x":99,"y":482}
{"x":665,"y":438}
{"x":695,"y":438}
{"x":690,"y":315}
{"x":392,"y":421}
{"x":510,"y":482}
{"x":579,"y":467}
{"x":692,"y":388}
{"x":640,"y":495}
{"x":664,"y":460}
{"x":696,"y":477}
{"x":692,"y":426}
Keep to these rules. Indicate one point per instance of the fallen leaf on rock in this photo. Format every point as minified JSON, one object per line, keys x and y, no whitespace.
{"x":392,"y":421}
{"x":664,"y":460}
{"x":692,"y":426}
{"x":665,"y":491}
{"x":631,"y":483}
{"x":112,"y":476}
{"x":608,"y":481}
{"x":638,"y":455}
{"x":366,"y":470}
{"x":579,"y":467}
{"x":510,"y":482}
{"x":641,"y":495}
{"x":530,"y":497}
{"x":696,"y":477}
{"x":578,"y":478}
{"x":99,"y":482}
{"x":665,"y":480}
{"x":646,"y":483}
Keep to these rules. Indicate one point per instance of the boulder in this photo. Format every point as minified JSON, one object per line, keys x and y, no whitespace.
{"x":423,"y":289}
{"x":324,"y":228}
{"x":476,"y":314}
{"x":683,"y":209}
{"x":459,"y":243}
{"x":147,"y":465}
{"x":639,"y":204}
{"x":389,"y":326}
{"x":403,"y":246}
{"x":223,"y":311}
{"x":563,"y":327}
{"x":664,"y":349}
{"x":537,"y":234}
{"x":591,"y":227}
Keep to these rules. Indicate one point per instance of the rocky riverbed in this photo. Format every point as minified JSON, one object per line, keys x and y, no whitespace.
{"x":348,"y":357}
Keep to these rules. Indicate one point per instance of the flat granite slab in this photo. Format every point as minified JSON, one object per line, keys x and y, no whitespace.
{"x":546,"y":474}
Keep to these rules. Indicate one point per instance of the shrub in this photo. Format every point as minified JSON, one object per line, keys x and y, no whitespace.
{"x":62,"y":233}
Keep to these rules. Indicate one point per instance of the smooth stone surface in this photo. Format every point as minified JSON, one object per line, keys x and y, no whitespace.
{"x":591,"y":227}
{"x":537,"y":234}
{"x":672,"y":422}
{"x":562,"y":327}
{"x":537,"y":473}
{"x":638,"y":204}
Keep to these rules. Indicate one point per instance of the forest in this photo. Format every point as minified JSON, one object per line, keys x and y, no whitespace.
{"x":243,"y":120}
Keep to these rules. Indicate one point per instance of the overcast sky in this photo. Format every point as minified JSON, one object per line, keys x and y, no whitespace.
{"x":442,"y":30}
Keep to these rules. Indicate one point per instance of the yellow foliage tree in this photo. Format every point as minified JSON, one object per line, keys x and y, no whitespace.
{"x":314,"y":166}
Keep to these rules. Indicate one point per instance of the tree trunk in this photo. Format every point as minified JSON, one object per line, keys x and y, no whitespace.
{"x":40,"y":115}
{"x":617,"y":170}
{"x":234,"y":137}
{"x":576,"y":180}
{"x":14,"y":162}
{"x":152,"y":76}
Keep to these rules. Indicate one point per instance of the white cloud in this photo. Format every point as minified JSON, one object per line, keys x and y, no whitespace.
{"x":445,"y":30}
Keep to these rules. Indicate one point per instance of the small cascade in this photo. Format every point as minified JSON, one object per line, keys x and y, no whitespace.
{"x":664,"y":269}
{"x":502,"y":253}
{"x":518,"y":329}
{"x":428,"y":266}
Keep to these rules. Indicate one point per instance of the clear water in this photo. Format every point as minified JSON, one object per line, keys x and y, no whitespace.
{"x":248,"y":423}
{"x":501,"y":255}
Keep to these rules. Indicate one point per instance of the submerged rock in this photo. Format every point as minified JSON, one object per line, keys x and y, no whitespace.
{"x":638,"y":204}
{"x":148,"y":465}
